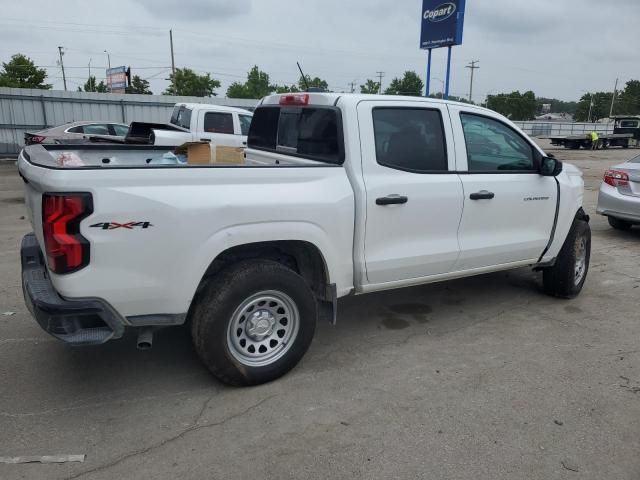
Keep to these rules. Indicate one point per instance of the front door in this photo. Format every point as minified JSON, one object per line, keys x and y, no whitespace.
{"x":413,"y":195}
{"x":509,"y":208}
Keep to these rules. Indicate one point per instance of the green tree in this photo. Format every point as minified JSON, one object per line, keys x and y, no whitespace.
{"x":453,"y":98}
{"x":139,"y":86}
{"x":597,"y":104}
{"x":514,"y":105}
{"x":410,"y":84}
{"x":186,"y":82}
{"x":286,"y":89}
{"x":313,"y":83}
{"x":91,"y":85}
{"x":370,"y":87}
{"x":256,"y":86}
{"x":628,"y":101}
{"x":21,"y":72}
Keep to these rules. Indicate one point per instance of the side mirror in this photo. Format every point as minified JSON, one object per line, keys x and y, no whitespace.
{"x":550,"y":167}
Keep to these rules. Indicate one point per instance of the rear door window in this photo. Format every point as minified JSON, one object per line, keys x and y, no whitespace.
{"x":215,"y":122}
{"x":120,"y":130}
{"x":410,"y":139}
{"x":308,"y":132}
{"x":96,"y":129}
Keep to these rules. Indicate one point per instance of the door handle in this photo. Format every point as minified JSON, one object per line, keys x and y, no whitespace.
{"x":483,"y":195}
{"x":205,"y":140}
{"x":392,"y":200}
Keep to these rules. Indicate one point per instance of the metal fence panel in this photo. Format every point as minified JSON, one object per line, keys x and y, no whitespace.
{"x":547,"y":129}
{"x":23,"y":110}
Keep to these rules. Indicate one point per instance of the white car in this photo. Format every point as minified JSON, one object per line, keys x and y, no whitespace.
{"x":339,"y":195}
{"x":196,"y":122}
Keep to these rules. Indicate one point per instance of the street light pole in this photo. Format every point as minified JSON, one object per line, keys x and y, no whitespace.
{"x":109,"y":67}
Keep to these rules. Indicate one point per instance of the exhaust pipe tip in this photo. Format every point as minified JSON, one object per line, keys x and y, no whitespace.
{"x":145,"y":338}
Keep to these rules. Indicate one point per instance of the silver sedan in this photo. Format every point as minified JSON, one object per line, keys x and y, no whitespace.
{"x":78,"y":131}
{"x":619,"y":198}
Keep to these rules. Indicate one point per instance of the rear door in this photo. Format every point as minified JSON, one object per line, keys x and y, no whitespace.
{"x":219,"y":128}
{"x":509,"y":208}
{"x":413,"y":194}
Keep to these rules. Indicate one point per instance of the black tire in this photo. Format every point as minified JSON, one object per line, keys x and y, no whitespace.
{"x":619,"y":224}
{"x":560,"y":280}
{"x":218,"y":305}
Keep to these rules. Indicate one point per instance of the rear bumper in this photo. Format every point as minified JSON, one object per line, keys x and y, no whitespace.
{"x":76,"y":322}
{"x":612,"y":203}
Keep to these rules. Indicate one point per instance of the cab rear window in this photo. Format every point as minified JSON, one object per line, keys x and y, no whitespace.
{"x":308,"y":132}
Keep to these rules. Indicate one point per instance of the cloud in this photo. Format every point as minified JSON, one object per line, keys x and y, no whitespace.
{"x":199,"y":10}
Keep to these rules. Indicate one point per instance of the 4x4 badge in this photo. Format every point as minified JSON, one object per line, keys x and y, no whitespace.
{"x":126,"y":226}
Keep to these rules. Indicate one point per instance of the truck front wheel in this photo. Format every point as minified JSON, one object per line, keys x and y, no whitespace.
{"x":253,"y":322}
{"x":566,"y":278}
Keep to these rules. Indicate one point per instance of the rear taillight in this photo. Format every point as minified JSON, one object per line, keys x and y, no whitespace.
{"x":616,"y":178}
{"x":67,"y":251}
{"x":295,"y":99}
{"x":36,"y":139}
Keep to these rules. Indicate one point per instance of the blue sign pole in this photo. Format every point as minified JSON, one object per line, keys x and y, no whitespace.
{"x":446,"y":90}
{"x":428,"y":82}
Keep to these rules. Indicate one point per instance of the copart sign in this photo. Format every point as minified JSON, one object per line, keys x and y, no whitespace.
{"x":442,"y":23}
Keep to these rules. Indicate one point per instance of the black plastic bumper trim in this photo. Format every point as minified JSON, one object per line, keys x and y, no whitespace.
{"x":77,"y":322}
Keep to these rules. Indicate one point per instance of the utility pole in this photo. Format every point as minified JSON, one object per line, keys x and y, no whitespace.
{"x":613,"y":100}
{"x":89,"y":69}
{"x":473,"y":67}
{"x":173,"y":63}
{"x":353,"y":87}
{"x":64,"y":77}
{"x":590,"y":107}
{"x":109,"y":67}
{"x":380,"y":75}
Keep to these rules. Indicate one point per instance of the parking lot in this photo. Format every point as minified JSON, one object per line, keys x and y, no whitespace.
{"x":481,"y":378}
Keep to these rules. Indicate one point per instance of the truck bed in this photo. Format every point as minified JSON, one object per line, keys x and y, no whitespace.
{"x":74,"y":156}
{"x":160,"y":227}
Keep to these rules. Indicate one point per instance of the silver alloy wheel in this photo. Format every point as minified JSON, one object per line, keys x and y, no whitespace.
{"x":263,"y":328}
{"x":581,"y":259}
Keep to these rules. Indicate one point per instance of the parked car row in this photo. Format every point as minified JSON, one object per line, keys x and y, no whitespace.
{"x":189,"y":122}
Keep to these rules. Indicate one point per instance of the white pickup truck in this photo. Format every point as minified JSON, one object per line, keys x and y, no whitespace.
{"x":195,"y":122}
{"x":339,"y":195}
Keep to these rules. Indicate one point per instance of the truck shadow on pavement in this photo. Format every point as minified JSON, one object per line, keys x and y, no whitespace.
{"x":426,"y":311}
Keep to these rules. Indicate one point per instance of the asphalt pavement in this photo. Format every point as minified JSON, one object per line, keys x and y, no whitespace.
{"x":481,"y":378}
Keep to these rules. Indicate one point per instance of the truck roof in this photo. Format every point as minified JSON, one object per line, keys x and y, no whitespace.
{"x":212,"y":107}
{"x":328,"y":99}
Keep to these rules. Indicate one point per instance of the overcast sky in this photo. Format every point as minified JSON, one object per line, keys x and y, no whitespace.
{"x":557,"y":48}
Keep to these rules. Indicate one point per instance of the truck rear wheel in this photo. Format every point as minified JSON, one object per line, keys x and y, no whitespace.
{"x":253,"y":322}
{"x":566,"y":278}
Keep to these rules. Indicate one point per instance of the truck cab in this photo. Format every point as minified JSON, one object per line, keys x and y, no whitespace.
{"x":221,"y":125}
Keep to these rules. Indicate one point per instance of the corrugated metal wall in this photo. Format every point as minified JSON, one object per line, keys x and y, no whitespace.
{"x":32,"y":110}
